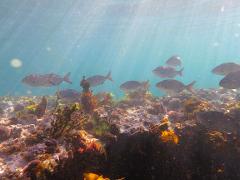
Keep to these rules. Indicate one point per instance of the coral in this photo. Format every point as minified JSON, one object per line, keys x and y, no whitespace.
{"x":194,"y":105}
{"x":217,"y":138}
{"x":105,"y":98}
{"x":41,"y":107}
{"x":100,"y":125}
{"x":92,"y":146}
{"x":89,"y":102}
{"x":156,"y":109}
{"x":12,"y":147}
{"x":40,"y":168}
{"x":4,"y":133}
{"x":65,"y":120}
{"x":85,"y":85}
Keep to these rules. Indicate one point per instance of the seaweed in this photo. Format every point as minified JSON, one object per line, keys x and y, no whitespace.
{"x":88,"y":100}
{"x":194,"y":105}
{"x":41,"y":107}
{"x":66,"y":119}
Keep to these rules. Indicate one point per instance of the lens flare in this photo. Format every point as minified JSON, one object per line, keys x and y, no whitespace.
{"x":16,"y":63}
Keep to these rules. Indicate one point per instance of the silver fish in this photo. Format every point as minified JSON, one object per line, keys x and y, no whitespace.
{"x":167,"y":72}
{"x":69,"y":95}
{"x":99,"y":79}
{"x":46,"y":80}
{"x":231,"y":81}
{"x":134,"y":86}
{"x":174,"y":61}
{"x":173,"y":86}
{"x":226,"y":68}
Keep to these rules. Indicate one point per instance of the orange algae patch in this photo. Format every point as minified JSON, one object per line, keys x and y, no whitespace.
{"x":169,"y":136}
{"x":92,"y":176}
{"x":90,"y":144}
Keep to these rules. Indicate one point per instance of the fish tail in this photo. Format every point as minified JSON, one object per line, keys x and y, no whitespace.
{"x":66,"y":78}
{"x":109,"y":76}
{"x":190,"y":87}
{"x":181,"y":72}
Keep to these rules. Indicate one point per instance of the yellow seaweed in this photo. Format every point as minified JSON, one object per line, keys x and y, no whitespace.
{"x":93,"y":176}
{"x":169,"y":136}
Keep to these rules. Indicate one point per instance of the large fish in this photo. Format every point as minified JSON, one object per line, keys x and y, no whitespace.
{"x":167,"y":72}
{"x":226,"y":68}
{"x":98,"y":79}
{"x":69,"y":95}
{"x":173,"y":86}
{"x":174,"y":61}
{"x":134,"y":86}
{"x":46,"y":80}
{"x":231,"y":81}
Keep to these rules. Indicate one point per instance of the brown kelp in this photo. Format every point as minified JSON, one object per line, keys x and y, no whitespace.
{"x":66,"y":119}
{"x":88,"y":100}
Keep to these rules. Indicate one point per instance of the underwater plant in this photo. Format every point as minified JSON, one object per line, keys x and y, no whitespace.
{"x":41,"y":107}
{"x":105,"y":98}
{"x":194,"y":105}
{"x":88,"y":100}
{"x":169,"y":136}
{"x":66,"y":119}
{"x":93,"y":176}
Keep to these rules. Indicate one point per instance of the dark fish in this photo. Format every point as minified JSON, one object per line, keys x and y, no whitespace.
{"x":167,"y":72}
{"x":68,"y":95}
{"x":231,"y":81}
{"x":134,"y":86}
{"x":174,"y":61}
{"x":98,"y":79}
{"x":226,"y":68}
{"x":46,"y":80}
{"x":215,"y":120}
{"x":173,"y":86}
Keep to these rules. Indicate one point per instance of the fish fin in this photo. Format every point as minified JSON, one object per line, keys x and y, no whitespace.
{"x":181,"y":72}
{"x":109,"y":76}
{"x":190,"y":87}
{"x":66,"y":78}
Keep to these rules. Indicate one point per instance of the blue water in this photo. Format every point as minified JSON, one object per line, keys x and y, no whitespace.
{"x":128,"y":37}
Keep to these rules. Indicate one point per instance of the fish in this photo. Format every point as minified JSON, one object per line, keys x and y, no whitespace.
{"x":68,"y":95}
{"x":174,"y":61}
{"x":171,"y":86}
{"x":134,"y":86}
{"x":231,"y":81}
{"x":226,"y":68}
{"x":99,"y":79}
{"x":45,"y":80}
{"x":167,"y":72}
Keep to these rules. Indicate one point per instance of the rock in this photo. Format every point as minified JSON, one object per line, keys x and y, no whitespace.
{"x":18,"y":107}
{"x":4,"y":133}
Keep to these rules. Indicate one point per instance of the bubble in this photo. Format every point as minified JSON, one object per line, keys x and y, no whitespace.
{"x":29,"y":92}
{"x":49,"y":49}
{"x":222,"y":9}
{"x":216,"y":44}
{"x":236,"y":35}
{"x":16,"y":63}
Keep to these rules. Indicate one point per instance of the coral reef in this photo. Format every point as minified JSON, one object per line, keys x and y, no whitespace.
{"x":179,"y":137}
